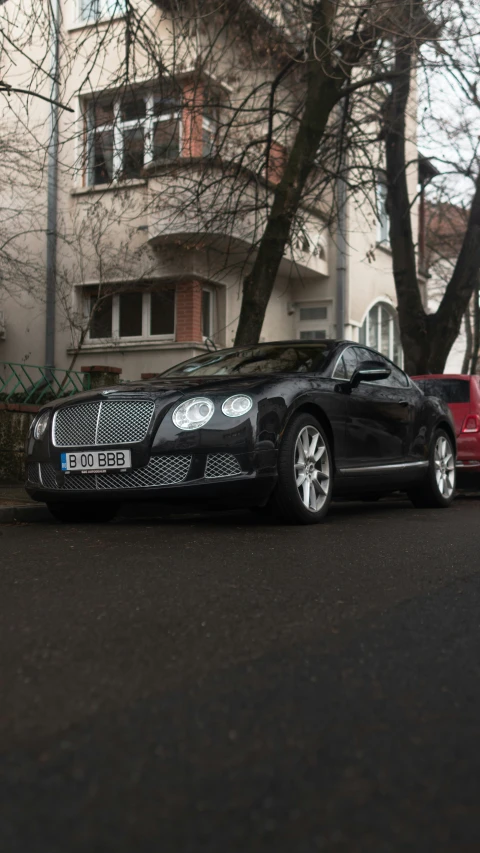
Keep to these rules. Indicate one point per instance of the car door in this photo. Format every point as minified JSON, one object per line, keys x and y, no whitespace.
{"x":380,"y":415}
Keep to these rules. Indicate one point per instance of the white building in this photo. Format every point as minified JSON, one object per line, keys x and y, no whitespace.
{"x":135,"y":231}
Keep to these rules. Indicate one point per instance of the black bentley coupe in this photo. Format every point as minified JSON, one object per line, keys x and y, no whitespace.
{"x":284,"y":425}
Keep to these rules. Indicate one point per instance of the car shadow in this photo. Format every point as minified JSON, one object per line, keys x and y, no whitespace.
{"x":131,"y":515}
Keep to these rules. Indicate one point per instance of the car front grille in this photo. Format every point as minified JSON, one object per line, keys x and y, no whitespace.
{"x":101,"y":423}
{"x":160,"y":471}
{"x":33,"y":473}
{"x":222,"y":465}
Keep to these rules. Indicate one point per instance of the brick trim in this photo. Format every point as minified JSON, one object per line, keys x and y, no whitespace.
{"x":189,"y":311}
{"x":19,"y":407}
{"x":100,"y":368}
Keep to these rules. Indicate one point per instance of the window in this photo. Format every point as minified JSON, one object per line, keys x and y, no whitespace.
{"x":449,"y":390}
{"x":162,"y":312}
{"x":95,"y":10}
{"x":315,"y":335}
{"x":207,"y":312}
{"x":380,"y":331}
{"x":353,"y":356}
{"x":313,"y":322}
{"x":346,"y":364}
{"x":101,"y":322}
{"x":257,"y":359}
{"x":132,"y":314}
{"x":319,"y":313}
{"x":209,"y":130}
{"x":383,"y":219}
{"x":126,"y":132}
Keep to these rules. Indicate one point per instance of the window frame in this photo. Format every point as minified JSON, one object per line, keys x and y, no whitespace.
{"x":119,"y":126}
{"x":146,"y":319}
{"x":311,"y":325}
{"x":383,"y":217}
{"x":366,"y":324}
{"x":212,"y":292}
{"x":104,"y":12}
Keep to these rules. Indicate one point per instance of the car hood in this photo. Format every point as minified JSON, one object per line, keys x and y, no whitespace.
{"x":174,"y":388}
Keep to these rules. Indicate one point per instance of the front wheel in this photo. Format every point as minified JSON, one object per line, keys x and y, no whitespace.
{"x":83,"y":513}
{"x":438,"y":488}
{"x":304,"y":488}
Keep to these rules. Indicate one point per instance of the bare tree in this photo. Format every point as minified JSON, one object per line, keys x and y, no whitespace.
{"x":453,"y":54}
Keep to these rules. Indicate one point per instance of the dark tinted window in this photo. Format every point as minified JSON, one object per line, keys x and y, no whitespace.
{"x":277,"y":358}
{"x":131,"y":310}
{"x":101,"y":318}
{"x":449,"y":390}
{"x":162,"y":313}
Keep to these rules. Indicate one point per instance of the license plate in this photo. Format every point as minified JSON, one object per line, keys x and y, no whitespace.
{"x":96,"y":461}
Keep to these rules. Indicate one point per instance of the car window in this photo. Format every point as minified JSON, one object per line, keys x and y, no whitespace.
{"x":449,"y":390}
{"x":397,"y":378}
{"x":304,"y":357}
{"x":346,"y":364}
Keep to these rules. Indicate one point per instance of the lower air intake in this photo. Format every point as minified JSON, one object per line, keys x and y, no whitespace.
{"x":160,"y":471}
{"x":222,"y":465}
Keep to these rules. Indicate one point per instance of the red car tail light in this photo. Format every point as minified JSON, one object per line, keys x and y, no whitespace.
{"x":471,"y":424}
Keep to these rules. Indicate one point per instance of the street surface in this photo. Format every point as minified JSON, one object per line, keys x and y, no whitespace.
{"x":225,"y":684}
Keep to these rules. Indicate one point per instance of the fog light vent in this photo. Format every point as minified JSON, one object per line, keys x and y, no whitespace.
{"x":222,"y":465}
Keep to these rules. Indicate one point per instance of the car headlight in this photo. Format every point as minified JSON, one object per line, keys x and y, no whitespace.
{"x":194,"y":413}
{"x":237,"y":405}
{"x":41,"y":425}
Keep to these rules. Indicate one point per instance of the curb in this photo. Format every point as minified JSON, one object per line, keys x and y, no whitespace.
{"x":12,"y":514}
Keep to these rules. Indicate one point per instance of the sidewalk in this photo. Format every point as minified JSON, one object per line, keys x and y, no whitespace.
{"x":15,"y":505}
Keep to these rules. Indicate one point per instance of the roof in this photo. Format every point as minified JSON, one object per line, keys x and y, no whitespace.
{"x":445,"y":376}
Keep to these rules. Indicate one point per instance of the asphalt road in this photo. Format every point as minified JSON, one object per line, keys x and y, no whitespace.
{"x":225,"y":684}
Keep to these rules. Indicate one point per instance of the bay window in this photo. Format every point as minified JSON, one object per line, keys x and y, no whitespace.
{"x":126,"y":132}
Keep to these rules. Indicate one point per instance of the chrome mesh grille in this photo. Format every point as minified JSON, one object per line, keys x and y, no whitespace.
{"x":160,"y":471}
{"x":222,"y":465}
{"x":101,"y":423}
{"x":33,"y":475}
{"x":75,"y":425}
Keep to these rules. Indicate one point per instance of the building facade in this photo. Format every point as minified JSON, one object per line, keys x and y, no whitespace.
{"x":155,"y":235}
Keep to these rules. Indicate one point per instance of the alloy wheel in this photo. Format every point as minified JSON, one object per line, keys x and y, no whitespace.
{"x":444,"y":467}
{"x":312,"y":468}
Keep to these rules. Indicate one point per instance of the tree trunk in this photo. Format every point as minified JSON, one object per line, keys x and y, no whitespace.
{"x":476,"y":330}
{"x":426,"y":338}
{"x":323,"y":92}
{"x":411,"y":313}
{"x":468,"y":349}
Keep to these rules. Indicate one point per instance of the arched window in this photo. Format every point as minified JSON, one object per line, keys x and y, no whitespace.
{"x":380,"y":331}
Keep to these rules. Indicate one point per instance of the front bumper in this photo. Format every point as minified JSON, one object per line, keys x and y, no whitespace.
{"x":216,"y":477}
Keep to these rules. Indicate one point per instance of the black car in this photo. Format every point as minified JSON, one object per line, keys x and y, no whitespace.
{"x":286,"y":425}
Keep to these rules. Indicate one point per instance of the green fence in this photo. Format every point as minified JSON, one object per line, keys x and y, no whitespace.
{"x":29,"y":383}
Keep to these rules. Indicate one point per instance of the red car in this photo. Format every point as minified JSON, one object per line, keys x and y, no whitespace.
{"x":462,"y":394}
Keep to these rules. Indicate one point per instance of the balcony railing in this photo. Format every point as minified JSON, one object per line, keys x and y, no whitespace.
{"x":29,"y":383}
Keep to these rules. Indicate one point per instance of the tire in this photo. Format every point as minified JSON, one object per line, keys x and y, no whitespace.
{"x":438,"y":488}
{"x":290,"y":498}
{"x":83,"y":513}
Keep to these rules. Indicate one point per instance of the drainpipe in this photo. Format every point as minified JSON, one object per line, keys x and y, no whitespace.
{"x":341,"y":194}
{"x":341,"y":257}
{"x":52,"y":190}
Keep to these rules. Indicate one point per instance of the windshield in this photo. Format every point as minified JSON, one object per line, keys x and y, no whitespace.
{"x":449,"y":390}
{"x":278,"y":358}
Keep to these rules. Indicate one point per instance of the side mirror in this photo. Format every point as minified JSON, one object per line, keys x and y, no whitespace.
{"x":369,"y":371}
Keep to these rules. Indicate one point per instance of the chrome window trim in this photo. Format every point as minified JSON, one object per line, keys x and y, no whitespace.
{"x":377,"y":469}
{"x":341,"y":378}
